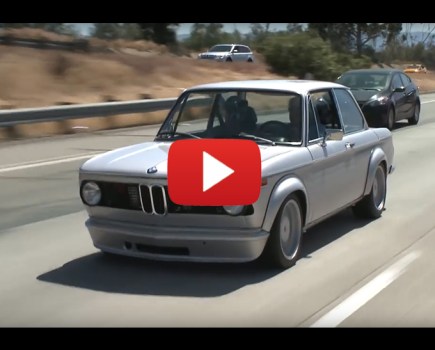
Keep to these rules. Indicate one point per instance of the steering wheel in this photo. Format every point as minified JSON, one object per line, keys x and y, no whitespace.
{"x":273,"y":125}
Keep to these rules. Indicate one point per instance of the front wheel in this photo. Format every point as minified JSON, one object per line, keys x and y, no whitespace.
{"x":391,"y":118}
{"x":416,"y":117}
{"x":283,"y":247}
{"x":372,"y":205}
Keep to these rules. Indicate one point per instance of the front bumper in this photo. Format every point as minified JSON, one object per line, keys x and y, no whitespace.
{"x":376,"y":114}
{"x":177,"y":243}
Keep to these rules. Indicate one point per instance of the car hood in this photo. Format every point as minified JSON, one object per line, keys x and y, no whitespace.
{"x":214,"y":53}
{"x":150,"y":159}
{"x":364,"y":95}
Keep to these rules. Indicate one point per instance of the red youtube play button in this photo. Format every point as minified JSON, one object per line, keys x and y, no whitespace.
{"x":214,"y":172}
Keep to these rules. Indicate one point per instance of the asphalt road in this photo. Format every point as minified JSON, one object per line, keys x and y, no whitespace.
{"x":352,"y":273}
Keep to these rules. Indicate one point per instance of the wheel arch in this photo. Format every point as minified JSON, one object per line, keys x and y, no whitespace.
{"x":378,"y":157}
{"x":283,"y":189}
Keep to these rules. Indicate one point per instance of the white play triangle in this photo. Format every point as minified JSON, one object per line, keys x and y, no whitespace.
{"x":213,"y":171}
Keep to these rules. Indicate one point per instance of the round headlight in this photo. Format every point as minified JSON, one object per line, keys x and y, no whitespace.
{"x":234,"y":209}
{"x":91,"y":193}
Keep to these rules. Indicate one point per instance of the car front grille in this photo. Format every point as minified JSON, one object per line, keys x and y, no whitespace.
{"x":152,"y":199}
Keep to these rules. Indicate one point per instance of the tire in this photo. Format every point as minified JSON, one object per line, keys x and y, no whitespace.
{"x":391,"y":119}
{"x":229,"y":59}
{"x":372,"y":205}
{"x":283,"y":246}
{"x":250,"y":60}
{"x":416,"y":117}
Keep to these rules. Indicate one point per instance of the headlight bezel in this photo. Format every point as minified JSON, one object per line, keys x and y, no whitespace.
{"x":234,"y":210}
{"x":91,"y":188}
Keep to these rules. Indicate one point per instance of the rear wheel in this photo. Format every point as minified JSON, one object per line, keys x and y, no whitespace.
{"x":415,"y":118}
{"x":283,"y":247}
{"x":372,"y":205}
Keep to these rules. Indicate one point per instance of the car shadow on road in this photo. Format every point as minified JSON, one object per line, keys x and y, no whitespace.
{"x":329,"y":231}
{"x":125,"y":275}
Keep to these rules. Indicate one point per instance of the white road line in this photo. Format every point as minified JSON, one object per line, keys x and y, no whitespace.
{"x":428,"y":101}
{"x":47,"y":162}
{"x":364,"y":294}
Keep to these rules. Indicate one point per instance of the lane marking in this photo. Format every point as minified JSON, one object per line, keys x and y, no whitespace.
{"x":427,"y":101}
{"x":51,"y":161}
{"x":365,"y":293}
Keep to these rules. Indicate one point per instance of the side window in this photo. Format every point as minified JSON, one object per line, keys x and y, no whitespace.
{"x":405,"y":79}
{"x":326,"y":110}
{"x":244,"y":49}
{"x":396,"y":82}
{"x":236,"y":49}
{"x":351,"y":115}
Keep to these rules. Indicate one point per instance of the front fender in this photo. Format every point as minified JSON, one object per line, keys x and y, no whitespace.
{"x":281,"y":191}
{"x":376,"y":158}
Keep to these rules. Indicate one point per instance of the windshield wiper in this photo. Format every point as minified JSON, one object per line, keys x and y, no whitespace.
{"x":177,"y":133}
{"x":257,"y":138}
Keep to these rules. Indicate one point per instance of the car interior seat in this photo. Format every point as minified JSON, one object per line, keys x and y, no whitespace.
{"x":232,"y":122}
{"x":248,"y":117}
{"x":324,"y":114}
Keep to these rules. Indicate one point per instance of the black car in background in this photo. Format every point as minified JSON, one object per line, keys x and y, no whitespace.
{"x":384,"y":95}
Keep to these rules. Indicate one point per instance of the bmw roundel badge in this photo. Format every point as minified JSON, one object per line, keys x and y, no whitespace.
{"x":152,"y":170}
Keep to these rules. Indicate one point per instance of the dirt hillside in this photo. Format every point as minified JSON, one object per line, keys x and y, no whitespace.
{"x":125,"y":71}
{"x":35,"y":78}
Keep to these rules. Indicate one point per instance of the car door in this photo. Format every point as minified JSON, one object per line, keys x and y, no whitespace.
{"x":358,"y":140}
{"x":410,"y":95}
{"x":237,"y":54}
{"x":398,"y":97}
{"x":328,"y":178}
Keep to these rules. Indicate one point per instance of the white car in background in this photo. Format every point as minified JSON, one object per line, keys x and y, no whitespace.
{"x":228,"y":53}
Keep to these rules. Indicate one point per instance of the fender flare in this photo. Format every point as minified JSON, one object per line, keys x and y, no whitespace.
{"x":378,"y":156}
{"x":282,"y":190}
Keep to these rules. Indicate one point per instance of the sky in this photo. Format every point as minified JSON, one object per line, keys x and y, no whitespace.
{"x":184,"y":28}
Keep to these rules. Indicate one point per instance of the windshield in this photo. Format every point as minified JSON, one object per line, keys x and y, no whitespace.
{"x":220,"y":48}
{"x":367,"y":81}
{"x":264,"y":117}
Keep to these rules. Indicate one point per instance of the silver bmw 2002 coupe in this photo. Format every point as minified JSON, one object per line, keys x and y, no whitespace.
{"x":318,"y":157}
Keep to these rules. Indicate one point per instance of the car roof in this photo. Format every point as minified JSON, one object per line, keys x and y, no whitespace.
{"x":298,"y":86}
{"x":374,"y":70}
{"x":230,"y":44}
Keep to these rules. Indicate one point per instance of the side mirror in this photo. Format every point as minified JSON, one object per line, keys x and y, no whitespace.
{"x":332,"y":134}
{"x":399,"y":89}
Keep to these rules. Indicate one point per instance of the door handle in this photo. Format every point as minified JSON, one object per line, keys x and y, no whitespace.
{"x":349,"y":145}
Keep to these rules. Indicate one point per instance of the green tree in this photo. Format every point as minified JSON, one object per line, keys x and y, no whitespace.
{"x":355,"y":36}
{"x":294,"y":27}
{"x":306,"y":52}
{"x":160,"y":33}
{"x":111,"y":31}
{"x":108,"y":31}
{"x":259,"y":32}
{"x":205,"y":35}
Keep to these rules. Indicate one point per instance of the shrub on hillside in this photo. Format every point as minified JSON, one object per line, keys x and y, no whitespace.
{"x":305,"y":53}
